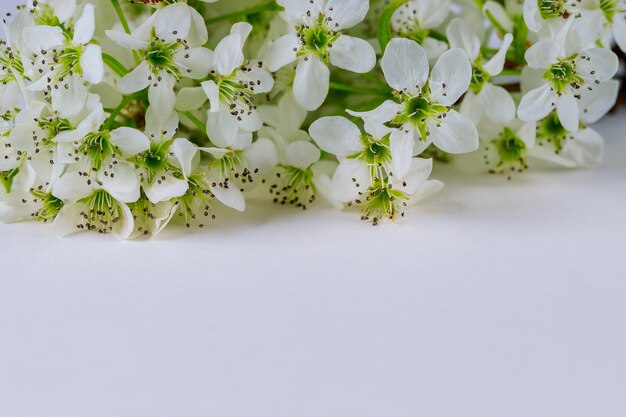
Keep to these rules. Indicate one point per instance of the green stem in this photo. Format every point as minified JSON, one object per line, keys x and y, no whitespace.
{"x":384,"y":22}
{"x":193,"y":119}
{"x":120,"y":14}
{"x":375,"y":80}
{"x":357,"y":90}
{"x":115,"y":65}
{"x":510,"y":73}
{"x":263,"y":7}
{"x":116,"y":111}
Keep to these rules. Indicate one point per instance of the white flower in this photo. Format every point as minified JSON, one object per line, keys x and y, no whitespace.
{"x":169,"y":44}
{"x":376,"y":169}
{"x":64,"y":64}
{"x":96,"y":158}
{"x":483,"y":99}
{"x":12,"y":89}
{"x":507,"y":145}
{"x":299,"y":176}
{"x":568,"y":76}
{"x":165,"y":167}
{"x":418,"y":20}
{"x":96,"y":210}
{"x":583,"y":147}
{"x":318,"y":41}
{"x":423,"y":110}
{"x":233,"y":82}
{"x":49,"y":12}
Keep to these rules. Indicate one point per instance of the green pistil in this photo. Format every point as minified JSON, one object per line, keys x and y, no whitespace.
{"x":551,"y":9}
{"x":7,"y":177}
{"x":230,"y":167}
{"x":231,"y":90}
{"x":196,"y":202}
{"x":102,"y":212}
{"x":68,"y":62}
{"x":155,"y":160}
{"x":511,"y":150}
{"x":375,"y":153}
{"x":563,"y":74}
{"x":160,"y":57}
{"x":416,"y":33}
{"x":297,"y":187}
{"x":50,"y":206}
{"x":97,"y":147}
{"x":382,"y":202}
{"x":317,"y":39}
{"x":552,"y":131}
{"x":9,"y":64}
{"x":44,"y":15}
{"x":418,"y":110}
{"x":610,"y":8}
{"x":479,"y":78}
{"x":52,"y":127}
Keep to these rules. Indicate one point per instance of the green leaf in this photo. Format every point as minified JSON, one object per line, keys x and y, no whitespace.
{"x":269,"y":6}
{"x":115,"y":65}
{"x":384,"y":23}
{"x":7,"y":177}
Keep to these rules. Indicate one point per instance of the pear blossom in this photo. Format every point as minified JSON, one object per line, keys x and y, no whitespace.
{"x":419,"y":20}
{"x":232,"y":84}
{"x":317,"y":41}
{"x":169,"y":43}
{"x":583,"y":147}
{"x":156,"y":123}
{"x":422,"y":110}
{"x":164,"y":167}
{"x":483,"y":98}
{"x":568,"y":76}
{"x":376,"y":169}
{"x":507,"y":145}
{"x":65,"y":63}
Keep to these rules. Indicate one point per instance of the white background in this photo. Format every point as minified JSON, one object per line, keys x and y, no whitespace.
{"x":493,"y":299}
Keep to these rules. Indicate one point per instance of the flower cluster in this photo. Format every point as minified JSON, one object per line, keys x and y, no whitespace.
{"x":126,"y":116}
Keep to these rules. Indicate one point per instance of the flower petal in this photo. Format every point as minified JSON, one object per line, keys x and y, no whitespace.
{"x":451,"y":77}
{"x":130,"y":141}
{"x":454,"y":134}
{"x":336,"y":135}
{"x":228,"y":54}
{"x":345,"y":14}
{"x":136,"y":80}
{"x":405,"y":65}
{"x":353,"y":54}
{"x":401,"y":145}
{"x":567,"y":110}
{"x":536,"y":104}
{"x":92,"y":64}
{"x":302,"y":154}
{"x":310,"y":87}
{"x":85,"y":26}
{"x":282,"y":52}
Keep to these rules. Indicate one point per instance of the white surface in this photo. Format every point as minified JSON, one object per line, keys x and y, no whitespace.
{"x":492,"y":300}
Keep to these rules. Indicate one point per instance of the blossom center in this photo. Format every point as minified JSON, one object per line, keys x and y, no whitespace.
{"x":419,"y":110}
{"x":49,"y":205}
{"x":382,"y":201}
{"x":317,"y":39}
{"x":551,"y":9}
{"x":552,"y":131}
{"x":160,"y":56}
{"x":563,"y":74}
{"x":101,"y":212}
{"x":294,"y":186}
{"x":97,"y":147}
